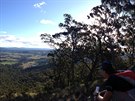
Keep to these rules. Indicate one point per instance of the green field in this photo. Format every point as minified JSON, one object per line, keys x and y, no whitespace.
{"x":23,"y":58}
{"x":8,"y":63}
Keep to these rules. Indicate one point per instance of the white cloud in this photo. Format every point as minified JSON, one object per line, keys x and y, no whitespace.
{"x":7,"y":37}
{"x":44,"y":21}
{"x":3,"y":32}
{"x":13,"y":41}
{"x":39,"y":5}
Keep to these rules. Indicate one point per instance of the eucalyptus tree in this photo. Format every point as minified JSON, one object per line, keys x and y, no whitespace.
{"x":66,"y":44}
{"x":126,"y":7}
{"x":125,"y":11}
{"x":105,"y":28}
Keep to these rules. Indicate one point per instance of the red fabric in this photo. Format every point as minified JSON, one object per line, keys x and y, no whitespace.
{"x":127,"y":73}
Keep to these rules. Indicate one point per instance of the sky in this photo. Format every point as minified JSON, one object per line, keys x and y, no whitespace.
{"x":22,"y":21}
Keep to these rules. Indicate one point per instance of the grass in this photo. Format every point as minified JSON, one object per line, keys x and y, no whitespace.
{"x":28,"y":64}
{"x":8,"y":62}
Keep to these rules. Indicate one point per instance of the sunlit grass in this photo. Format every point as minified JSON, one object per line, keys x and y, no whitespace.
{"x":28,"y":64}
{"x":8,"y":63}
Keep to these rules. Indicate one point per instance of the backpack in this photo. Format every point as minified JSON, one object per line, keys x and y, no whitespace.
{"x":129,"y":75}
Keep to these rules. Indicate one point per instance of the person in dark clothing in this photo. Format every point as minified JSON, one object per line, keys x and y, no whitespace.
{"x":116,"y":87}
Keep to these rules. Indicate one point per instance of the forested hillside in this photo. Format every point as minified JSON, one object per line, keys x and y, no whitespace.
{"x":73,"y":66}
{"x":23,"y":71}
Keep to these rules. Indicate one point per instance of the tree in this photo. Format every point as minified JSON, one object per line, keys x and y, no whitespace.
{"x":126,"y":7}
{"x":85,"y":46}
{"x":106,"y":31}
{"x":66,"y":44}
{"x":77,"y":49}
{"x":125,"y":10}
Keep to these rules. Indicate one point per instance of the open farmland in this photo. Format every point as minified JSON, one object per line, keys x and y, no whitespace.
{"x":22,"y":70}
{"x":24,"y":58}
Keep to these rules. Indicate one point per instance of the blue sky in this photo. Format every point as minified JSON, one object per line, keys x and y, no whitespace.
{"x":22,"y":21}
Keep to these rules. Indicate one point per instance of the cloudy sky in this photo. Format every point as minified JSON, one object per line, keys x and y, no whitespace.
{"x":22,"y":21}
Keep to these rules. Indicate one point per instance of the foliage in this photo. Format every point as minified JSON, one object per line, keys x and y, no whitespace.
{"x":78,"y":52}
{"x":121,"y":6}
{"x":84,"y":46}
{"x":125,"y":13}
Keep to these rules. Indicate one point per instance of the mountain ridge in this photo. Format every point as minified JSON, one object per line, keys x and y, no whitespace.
{"x":23,"y":48}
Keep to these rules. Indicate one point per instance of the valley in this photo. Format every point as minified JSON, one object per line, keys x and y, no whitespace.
{"x":25,"y":58}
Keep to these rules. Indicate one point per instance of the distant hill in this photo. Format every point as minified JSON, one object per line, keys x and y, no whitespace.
{"x":15,"y":48}
{"x":24,"y":57}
